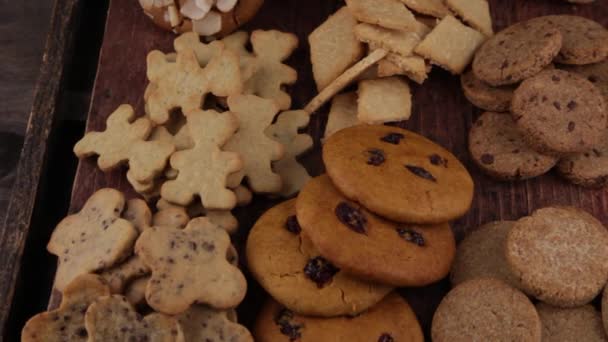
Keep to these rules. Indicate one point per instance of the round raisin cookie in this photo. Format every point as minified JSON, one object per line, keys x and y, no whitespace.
{"x":390,"y":320}
{"x":484,"y":96}
{"x":587,"y":169}
{"x":499,"y":149}
{"x":575,"y":324}
{"x":485,"y":310}
{"x":559,"y":255}
{"x":596,"y":73}
{"x":482,"y":255}
{"x":398,"y":174}
{"x":517,"y":52}
{"x":584,"y":41}
{"x":368,"y":246}
{"x":559,"y":112}
{"x":284,"y":261}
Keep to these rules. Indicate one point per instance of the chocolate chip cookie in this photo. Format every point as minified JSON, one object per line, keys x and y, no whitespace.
{"x":485,"y":310}
{"x":287,"y":265}
{"x":517,"y":52}
{"x":596,"y":73}
{"x":499,"y":149}
{"x":484,"y":96}
{"x":559,"y":112}
{"x":589,"y":168}
{"x":390,"y":320}
{"x":482,"y":255}
{"x":559,"y":255}
{"x":368,"y":246}
{"x":398,"y":174}
{"x":584,"y":40}
{"x":575,"y":324}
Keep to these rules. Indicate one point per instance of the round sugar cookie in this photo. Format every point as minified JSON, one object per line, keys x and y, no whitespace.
{"x":368,"y":246}
{"x":485,"y":310}
{"x":390,"y":320}
{"x":500,"y":150}
{"x":559,"y":112}
{"x":398,"y":174}
{"x":517,"y":52}
{"x":559,"y":255}
{"x":287,"y":265}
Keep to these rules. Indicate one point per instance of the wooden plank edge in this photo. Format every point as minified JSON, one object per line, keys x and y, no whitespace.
{"x":16,"y":225}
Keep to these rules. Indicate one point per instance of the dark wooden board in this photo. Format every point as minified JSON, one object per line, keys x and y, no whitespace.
{"x":440,"y":112}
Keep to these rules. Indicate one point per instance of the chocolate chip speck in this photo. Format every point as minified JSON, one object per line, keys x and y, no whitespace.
{"x":571,"y":126}
{"x":592,"y":79}
{"x":292,"y":225}
{"x":393,"y":138}
{"x":81,"y":332}
{"x":352,"y":217}
{"x":284,"y":319}
{"x":557,"y":105}
{"x":572,"y":105}
{"x":487,"y":159}
{"x":555,"y":78}
{"x":411,"y":235}
{"x":436,"y":159}
{"x":320,"y":271}
{"x":421,"y":172}
{"x":375,"y":157}
{"x":386,"y":337}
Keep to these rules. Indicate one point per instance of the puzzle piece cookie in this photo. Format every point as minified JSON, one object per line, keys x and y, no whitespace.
{"x":258,"y":151}
{"x":117,"y":277}
{"x":270,"y":49}
{"x":190,"y":266}
{"x":138,"y":214}
{"x":285,"y":131}
{"x":184,"y":84}
{"x":201,"y":323}
{"x":67,"y":322}
{"x":204,"y":168}
{"x":124,"y":141}
{"x":93,"y":239}
{"x":113,"y":318}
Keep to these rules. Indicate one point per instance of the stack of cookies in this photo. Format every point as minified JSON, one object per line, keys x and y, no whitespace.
{"x":376,"y":221}
{"x":557,"y":256}
{"x":541,"y":115}
{"x":117,"y":263}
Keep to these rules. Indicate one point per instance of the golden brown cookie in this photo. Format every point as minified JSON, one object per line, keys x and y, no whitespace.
{"x":500,"y":150}
{"x":576,"y":324}
{"x":484,"y":96}
{"x":390,"y":320}
{"x":559,"y":112}
{"x":287,"y":265}
{"x":363,"y":244}
{"x":559,"y":255}
{"x":482,"y":255}
{"x":517,"y":52}
{"x":398,"y":174}
{"x":485,"y":310}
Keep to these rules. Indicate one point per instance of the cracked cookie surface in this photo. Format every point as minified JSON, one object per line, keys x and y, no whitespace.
{"x":287,"y":265}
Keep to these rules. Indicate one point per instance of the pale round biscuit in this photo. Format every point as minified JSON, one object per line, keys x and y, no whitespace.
{"x":559,"y":255}
{"x":574,"y":324}
{"x":281,"y":259}
{"x":517,"y":52}
{"x":485,"y":310}
{"x":482,"y":255}
{"x":499,"y":149}
{"x":559,"y":112}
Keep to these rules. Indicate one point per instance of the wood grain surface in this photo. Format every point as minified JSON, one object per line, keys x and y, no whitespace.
{"x":440,"y":112}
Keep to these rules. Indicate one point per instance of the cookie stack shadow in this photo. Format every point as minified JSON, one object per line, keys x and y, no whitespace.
{"x":378,"y":220}
{"x":543,"y":83}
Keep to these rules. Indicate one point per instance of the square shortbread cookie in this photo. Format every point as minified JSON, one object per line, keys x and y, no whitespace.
{"x":414,"y":67}
{"x":343,"y":113}
{"x":475,"y":13}
{"x":401,"y":42}
{"x":384,"y":100}
{"x":451,"y":45}
{"x":386,"y":13}
{"x":434,"y":8}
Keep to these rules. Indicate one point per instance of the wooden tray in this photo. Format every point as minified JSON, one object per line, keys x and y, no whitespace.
{"x":440,"y":112}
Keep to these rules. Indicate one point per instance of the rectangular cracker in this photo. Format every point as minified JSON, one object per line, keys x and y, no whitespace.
{"x":401,"y":42}
{"x":384,"y":100}
{"x":334,"y":47}
{"x":343,"y":113}
{"x":414,"y":67}
{"x":451,"y":45}
{"x":434,"y":8}
{"x":391,"y":14}
{"x":344,"y":80}
{"x":475,"y":13}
